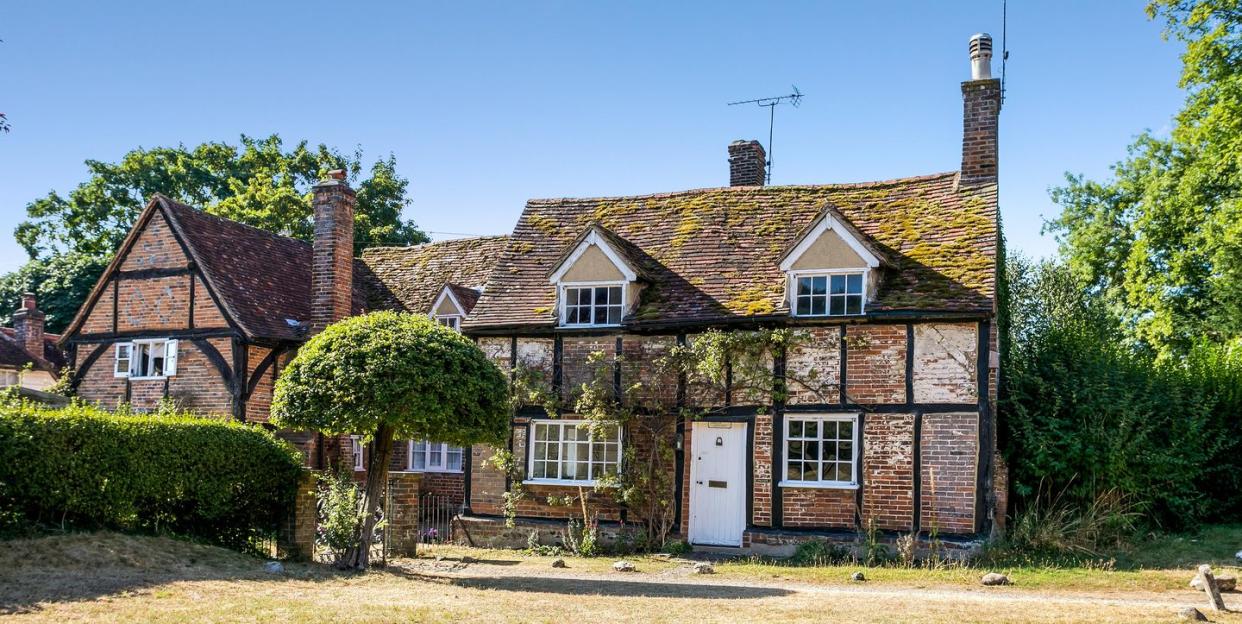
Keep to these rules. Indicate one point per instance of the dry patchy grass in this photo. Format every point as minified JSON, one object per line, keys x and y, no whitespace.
{"x":107,"y":577}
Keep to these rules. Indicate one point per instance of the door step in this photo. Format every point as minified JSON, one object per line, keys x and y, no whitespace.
{"x":728,"y":551}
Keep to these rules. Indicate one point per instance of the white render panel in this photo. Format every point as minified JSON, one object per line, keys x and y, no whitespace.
{"x":946,"y":356}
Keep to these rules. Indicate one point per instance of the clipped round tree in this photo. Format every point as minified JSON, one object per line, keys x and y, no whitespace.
{"x":386,"y":376}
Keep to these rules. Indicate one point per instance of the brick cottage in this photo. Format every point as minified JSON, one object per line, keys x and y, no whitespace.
{"x":204,"y":312}
{"x":888,"y":420}
{"x":889,"y":417}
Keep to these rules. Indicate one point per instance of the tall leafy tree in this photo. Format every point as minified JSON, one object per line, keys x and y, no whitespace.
{"x":1162,"y":240}
{"x":389,"y":375}
{"x":260,"y":182}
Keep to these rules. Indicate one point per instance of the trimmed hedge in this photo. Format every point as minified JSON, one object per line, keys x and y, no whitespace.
{"x":220,"y":481}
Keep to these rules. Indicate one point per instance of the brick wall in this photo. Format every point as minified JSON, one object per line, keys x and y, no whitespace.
{"x":535,"y":356}
{"x":888,"y":469}
{"x":487,"y":484}
{"x":404,"y":490}
{"x":577,"y":368}
{"x":656,"y":387}
{"x":949,"y":467}
{"x":819,"y":508}
{"x":700,"y":391}
{"x":763,"y":475}
{"x":876,"y":361}
{"x":155,"y":248}
{"x":813,"y":367}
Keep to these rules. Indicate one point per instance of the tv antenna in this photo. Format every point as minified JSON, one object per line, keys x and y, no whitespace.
{"x":771,"y":103}
{"x":1004,"y":45}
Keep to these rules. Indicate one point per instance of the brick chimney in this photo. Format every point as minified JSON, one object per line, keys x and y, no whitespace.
{"x":332,"y":270}
{"x":747,"y":164}
{"x":28,"y":326}
{"x":981,"y":103}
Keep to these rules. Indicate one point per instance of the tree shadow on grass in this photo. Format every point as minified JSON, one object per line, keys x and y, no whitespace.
{"x":88,"y":566}
{"x":600,"y":587}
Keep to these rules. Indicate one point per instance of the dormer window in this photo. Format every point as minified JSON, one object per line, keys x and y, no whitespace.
{"x":595,"y":283}
{"x":831,"y":269}
{"x":829,"y":294}
{"x":593,"y":306}
{"x":452,"y":305}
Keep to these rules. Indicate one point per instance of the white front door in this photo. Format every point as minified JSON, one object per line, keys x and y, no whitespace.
{"x":718,"y":483}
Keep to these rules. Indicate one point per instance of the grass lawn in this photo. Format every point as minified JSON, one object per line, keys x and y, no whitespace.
{"x":109,"y":577}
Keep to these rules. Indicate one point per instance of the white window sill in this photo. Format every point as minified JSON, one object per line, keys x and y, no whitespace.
{"x":818,"y":485}
{"x":562,"y":326}
{"x":825,"y":316}
{"x":149,"y":378}
{"x":429,"y":471}
{"x":564,"y":482}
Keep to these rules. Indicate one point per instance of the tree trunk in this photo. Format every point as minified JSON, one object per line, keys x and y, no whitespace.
{"x":359,"y":557}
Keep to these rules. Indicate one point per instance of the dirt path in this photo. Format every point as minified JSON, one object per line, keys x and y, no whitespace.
{"x":482,"y":573}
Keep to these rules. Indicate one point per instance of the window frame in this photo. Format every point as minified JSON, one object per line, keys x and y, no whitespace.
{"x":117,"y":359}
{"x":358,"y":449}
{"x":563,"y":292}
{"x":442,"y":449}
{"x":170,"y":346}
{"x":562,"y":423}
{"x":794,"y":276}
{"x":454,"y":324}
{"x":855,"y":443}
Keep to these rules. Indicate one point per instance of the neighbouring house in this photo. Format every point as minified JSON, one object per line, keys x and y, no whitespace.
{"x":888,"y":420}
{"x":205,"y":312}
{"x":29,"y":357}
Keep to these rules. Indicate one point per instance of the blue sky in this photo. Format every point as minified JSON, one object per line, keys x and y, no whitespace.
{"x":488,"y":104}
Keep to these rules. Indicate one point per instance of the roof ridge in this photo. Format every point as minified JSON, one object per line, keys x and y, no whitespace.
{"x":433,"y":243}
{"x":794,"y":187}
{"x":227,"y":221}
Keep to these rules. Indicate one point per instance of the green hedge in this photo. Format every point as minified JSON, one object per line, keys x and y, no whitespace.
{"x":216,"y":480}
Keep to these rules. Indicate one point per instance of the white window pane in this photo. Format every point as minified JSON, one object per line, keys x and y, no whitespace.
{"x":454,"y":458}
{"x":854,"y":283}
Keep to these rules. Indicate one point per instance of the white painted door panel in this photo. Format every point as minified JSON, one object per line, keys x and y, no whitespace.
{"x":718,"y":483}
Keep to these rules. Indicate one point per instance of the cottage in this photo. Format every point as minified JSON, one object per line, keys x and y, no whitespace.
{"x":876,"y":410}
{"x":885,"y":416}
{"x":204,"y":312}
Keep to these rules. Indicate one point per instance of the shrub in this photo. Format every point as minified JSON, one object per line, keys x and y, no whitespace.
{"x":340,"y":512}
{"x":1088,"y":416}
{"x":220,"y":481}
{"x":820,"y":553}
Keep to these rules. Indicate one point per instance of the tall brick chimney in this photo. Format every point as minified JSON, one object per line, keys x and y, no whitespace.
{"x":981,"y":103}
{"x":747,"y":163}
{"x":28,"y":326}
{"x":332,"y":270}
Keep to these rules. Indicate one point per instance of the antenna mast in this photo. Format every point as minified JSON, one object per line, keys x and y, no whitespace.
{"x":771,"y":103}
{"x":1004,"y":44}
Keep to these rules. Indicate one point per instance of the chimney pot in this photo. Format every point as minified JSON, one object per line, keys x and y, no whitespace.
{"x":747,"y":164}
{"x":981,"y":57}
{"x":337,"y":174}
{"x":28,"y":301}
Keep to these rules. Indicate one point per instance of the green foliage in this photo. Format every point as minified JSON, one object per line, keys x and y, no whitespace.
{"x":1086,"y":415}
{"x":820,"y":553}
{"x":259,"y":182}
{"x":404,"y":371}
{"x":340,"y":514}
{"x":61,"y":283}
{"x":220,"y":481}
{"x":1161,"y":241}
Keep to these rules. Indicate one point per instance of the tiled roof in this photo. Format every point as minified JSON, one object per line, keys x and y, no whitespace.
{"x":713,"y":254}
{"x":467,"y":297}
{"x":13,"y":355}
{"x":262,"y":278}
{"x":410,"y":278}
